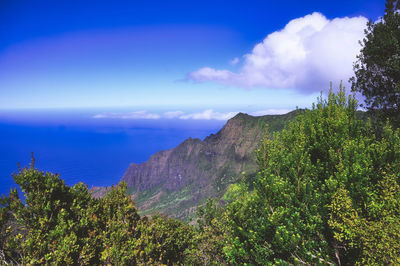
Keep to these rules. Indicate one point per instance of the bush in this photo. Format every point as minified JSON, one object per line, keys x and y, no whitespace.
{"x":325,"y":185}
{"x":65,"y":225}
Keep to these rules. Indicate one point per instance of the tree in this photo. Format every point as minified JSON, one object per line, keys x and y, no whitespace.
{"x":210,"y":236}
{"x":163,"y":241}
{"x":59,"y":224}
{"x":377,"y":70}
{"x":116,"y":226}
{"x":4,"y":229}
{"x":326,"y":192}
{"x":58,"y":220}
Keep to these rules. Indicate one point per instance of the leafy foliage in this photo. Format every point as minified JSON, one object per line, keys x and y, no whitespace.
{"x":322,"y":193}
{"x":163,"y":240}
{"x":210,"y":236}
{"x":65,"y":225}
{"x":327,"y":191}
{"x":374,"y":236}
{"x":377,"y":70}
{"x":4,"y":229}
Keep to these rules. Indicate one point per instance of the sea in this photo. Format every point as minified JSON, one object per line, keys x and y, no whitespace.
{"x":82,"y":148}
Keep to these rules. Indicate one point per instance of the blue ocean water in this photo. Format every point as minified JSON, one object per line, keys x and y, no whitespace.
{"x":83,"y":149}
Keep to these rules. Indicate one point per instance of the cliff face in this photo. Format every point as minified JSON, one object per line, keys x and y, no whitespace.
{"x":197,"y":162}
{"x":176,"y":181}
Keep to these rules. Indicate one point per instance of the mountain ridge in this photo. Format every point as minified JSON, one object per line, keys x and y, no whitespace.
{"x":176,"y":181}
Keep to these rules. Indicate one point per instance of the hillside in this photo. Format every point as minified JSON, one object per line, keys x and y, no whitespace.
{"x":329,"y":179}
{"x":176,"y":181}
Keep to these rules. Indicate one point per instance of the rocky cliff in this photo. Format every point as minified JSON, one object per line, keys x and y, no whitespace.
{"x":176,"y":181}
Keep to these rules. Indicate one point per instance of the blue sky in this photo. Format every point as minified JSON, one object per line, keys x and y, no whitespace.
{"x":178,"y":59}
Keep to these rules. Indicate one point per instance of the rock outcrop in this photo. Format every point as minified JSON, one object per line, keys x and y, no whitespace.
{"x":176,"y":181}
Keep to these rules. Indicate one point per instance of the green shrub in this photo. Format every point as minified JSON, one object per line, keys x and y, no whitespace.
{"x":325,"y":185}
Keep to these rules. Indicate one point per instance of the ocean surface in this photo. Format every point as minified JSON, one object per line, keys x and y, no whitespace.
{"x":83,"y":149}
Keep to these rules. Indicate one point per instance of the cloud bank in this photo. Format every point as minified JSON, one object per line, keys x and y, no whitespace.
{"x":208,"y":114}
{"x":305,"y":55}
{"x":131,"y":115}
{"x":271,"y":112}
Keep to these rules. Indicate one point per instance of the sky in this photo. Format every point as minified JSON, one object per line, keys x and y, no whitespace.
{"x":177,"y":59}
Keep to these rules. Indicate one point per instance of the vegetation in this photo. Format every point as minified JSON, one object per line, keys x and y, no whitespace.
{"x":327,"y":191}
{"x":65,"y":225}
{"x":178,"y":181}
{"x":377,"y":71}
{"x":324,"y":187}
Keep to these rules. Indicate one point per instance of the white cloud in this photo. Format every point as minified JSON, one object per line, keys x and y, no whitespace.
{"x":205,"y":115}
{"x":271,"y":112}
{"x":173,"y":114}
{"x":209,"y":115}
{"x":210,"y":74}
{"x":306,"y":55}
{"x":131,"y":115}
{"x":234,"y":61}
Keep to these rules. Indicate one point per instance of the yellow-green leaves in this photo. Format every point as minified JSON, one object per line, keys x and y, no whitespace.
{"x":319,"y":192}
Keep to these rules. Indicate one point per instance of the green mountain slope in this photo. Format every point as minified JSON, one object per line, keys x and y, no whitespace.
{"x":175,"y":182}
